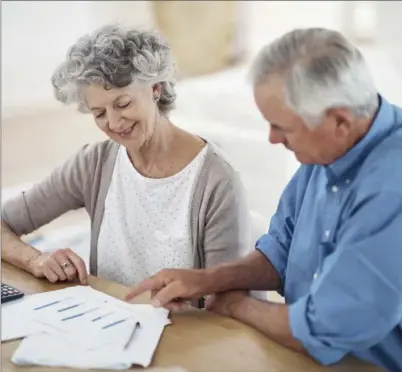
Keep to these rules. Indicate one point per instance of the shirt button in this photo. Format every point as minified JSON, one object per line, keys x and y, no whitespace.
{"x":326,"y":234}
{"x":347,"y":181}
{"x":335,"y":188}
{"x":315,"y":276}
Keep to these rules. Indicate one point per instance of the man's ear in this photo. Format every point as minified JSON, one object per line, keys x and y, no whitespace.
{"x":343,"y":120}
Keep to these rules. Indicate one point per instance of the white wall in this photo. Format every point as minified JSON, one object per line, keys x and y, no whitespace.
{"x":35,"y":38}
{"x":36,"y":35}
{"x":270,"y":19}
{"x":390,"y":33}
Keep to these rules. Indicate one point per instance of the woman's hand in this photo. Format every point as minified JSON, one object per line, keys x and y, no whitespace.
{"x":61,"y":265}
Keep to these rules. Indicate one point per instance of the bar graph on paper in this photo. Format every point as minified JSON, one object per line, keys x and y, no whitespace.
{"x":89,"y":322}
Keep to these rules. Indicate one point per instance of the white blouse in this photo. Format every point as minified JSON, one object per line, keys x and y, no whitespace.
{"x":145,"y":226}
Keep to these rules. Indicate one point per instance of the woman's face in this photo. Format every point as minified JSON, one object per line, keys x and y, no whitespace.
{"x":127,"y":115}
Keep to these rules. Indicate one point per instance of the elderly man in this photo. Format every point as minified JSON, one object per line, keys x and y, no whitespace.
{"x":334,"y":245}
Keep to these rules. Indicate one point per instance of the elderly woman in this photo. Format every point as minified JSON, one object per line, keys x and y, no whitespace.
{"x":157,"y":196}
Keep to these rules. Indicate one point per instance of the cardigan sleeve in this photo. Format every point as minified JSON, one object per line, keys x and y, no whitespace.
{"x":66,"y":189}
{"x":227,"y":231}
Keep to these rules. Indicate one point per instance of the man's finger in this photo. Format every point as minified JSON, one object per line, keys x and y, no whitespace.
{"x":151,"y":284}
{"x":177,"y":306}
{"x":209,"y":302}
{"x":168,"y":294}
{"x":153,"y":293}
{"x":79,"y":264}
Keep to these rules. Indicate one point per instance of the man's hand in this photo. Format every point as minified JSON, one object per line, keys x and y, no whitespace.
{"x":60,"y":265}
{"x":170,"y":287}
{"x":226,"y":303}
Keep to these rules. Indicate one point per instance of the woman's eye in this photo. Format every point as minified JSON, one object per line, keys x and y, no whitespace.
{"x":99,"y":115}
{"x":123,"y":105}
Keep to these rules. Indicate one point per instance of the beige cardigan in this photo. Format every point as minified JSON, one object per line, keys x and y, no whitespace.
{"x":219,"y":219}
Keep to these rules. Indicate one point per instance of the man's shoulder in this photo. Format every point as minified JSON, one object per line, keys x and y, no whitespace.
{"x":382,"y":169}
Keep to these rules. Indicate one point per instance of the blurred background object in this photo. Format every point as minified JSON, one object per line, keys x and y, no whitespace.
{"x":203,"y":34}
{"x":213,"y":41}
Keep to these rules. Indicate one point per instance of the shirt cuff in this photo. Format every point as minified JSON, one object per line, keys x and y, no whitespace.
{"x":276,"y":254}
{"x":301,"y":330}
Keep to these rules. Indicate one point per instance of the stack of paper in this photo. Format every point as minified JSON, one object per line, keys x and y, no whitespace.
{"x":82,"y":328}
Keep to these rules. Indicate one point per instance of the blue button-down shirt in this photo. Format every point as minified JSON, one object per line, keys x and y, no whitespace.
{"x":336,"y":241}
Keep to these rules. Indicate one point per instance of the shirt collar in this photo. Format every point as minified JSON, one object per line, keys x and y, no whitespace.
{"x":382,"y":123}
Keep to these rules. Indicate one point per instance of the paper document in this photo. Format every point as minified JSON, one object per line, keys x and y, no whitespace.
{"x":15,"y":320}
{"x":81,"y":327}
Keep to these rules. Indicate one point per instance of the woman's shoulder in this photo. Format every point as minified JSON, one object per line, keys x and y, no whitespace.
{"x":218,"y":167}
{"x":95,"y":153}
{"x":98,"y":150}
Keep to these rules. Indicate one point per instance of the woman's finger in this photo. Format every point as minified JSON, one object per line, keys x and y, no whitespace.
{"x":69,"y":270}
{"x":50,"y":274}
{"x":53,"y":264}
{"x":79,"y":265}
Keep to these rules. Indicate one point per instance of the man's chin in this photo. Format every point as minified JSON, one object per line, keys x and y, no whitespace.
{"x":303,"y":158}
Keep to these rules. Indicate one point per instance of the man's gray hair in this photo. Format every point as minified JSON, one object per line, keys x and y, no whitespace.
{"x":321,"y":70}
{"x":113,"y":57}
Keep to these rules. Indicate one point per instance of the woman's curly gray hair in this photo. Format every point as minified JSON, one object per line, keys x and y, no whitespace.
{"x":114,"y":58}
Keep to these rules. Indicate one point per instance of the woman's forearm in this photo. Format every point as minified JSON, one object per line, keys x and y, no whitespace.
{"x":14,"y":250}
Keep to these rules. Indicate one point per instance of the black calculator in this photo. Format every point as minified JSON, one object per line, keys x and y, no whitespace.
{"x":9,"y":293}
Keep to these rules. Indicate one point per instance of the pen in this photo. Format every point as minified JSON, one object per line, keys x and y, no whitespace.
{"x":137,"y":325}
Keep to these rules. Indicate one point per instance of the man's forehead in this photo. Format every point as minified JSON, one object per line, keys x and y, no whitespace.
{"x":270,"y":94}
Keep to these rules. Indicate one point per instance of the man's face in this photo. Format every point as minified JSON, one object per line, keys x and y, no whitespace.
{"x":321,"y":145}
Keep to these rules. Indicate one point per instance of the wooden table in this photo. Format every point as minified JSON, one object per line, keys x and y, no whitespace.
{"x":197,"y":340}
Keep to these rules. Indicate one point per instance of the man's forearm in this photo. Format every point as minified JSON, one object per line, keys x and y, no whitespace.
{"x":253,"y":272}
{"x":14,"y":250}
{"x":269,"y":318}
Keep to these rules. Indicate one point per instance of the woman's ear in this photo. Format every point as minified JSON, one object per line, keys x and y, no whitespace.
{"x":157,"y":89}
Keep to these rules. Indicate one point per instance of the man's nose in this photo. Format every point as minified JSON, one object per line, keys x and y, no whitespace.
{"x":275,"y":137}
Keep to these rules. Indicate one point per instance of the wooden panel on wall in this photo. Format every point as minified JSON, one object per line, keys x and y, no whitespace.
{"x":203,"y":34}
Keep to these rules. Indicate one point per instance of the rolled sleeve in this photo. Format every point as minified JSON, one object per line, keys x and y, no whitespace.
{"x":276,"y":243}
{"x":276,"y":254}
{"x":322,"y":352}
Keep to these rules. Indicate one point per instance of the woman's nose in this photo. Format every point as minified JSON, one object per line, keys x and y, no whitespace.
{"x":116,"y":122}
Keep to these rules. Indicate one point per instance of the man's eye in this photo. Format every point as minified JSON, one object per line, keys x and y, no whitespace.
{"x":97,"y":116}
